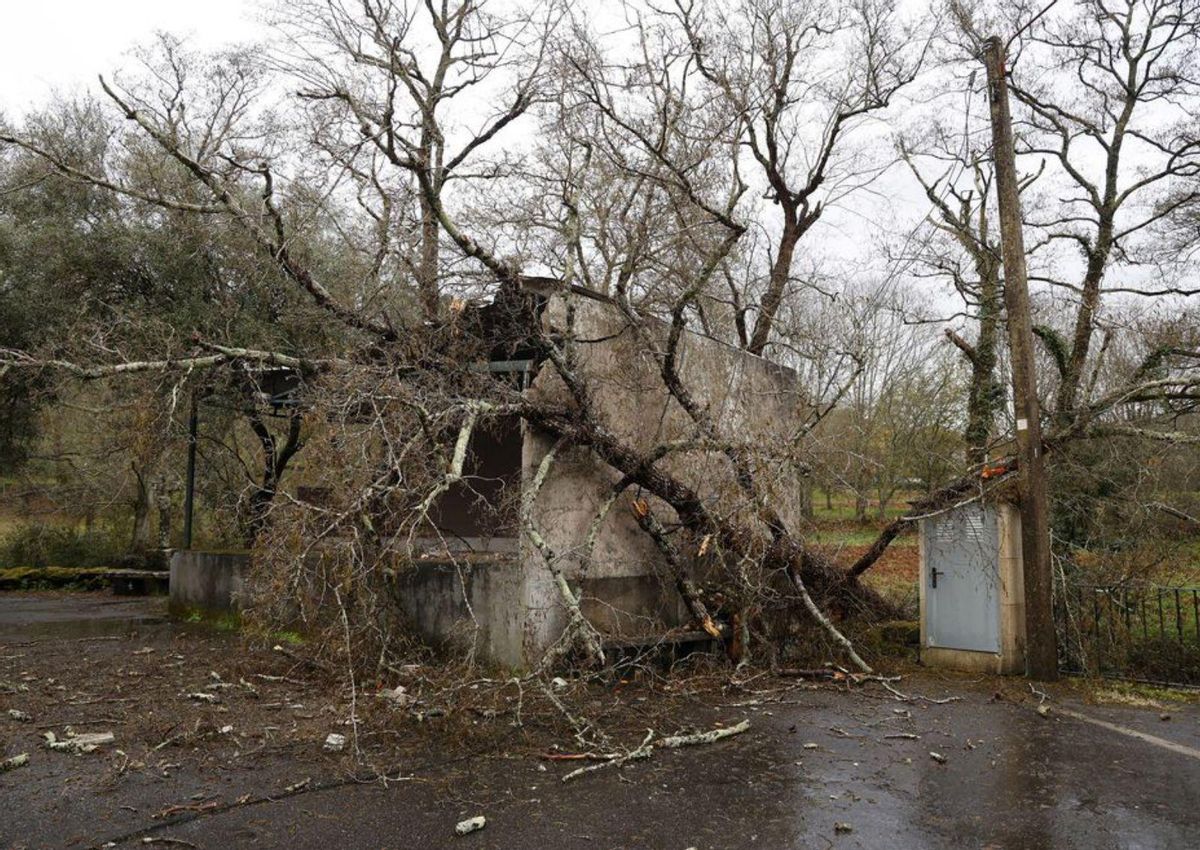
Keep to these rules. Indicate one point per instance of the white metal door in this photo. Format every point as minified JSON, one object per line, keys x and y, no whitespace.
{"x":962,"y":550}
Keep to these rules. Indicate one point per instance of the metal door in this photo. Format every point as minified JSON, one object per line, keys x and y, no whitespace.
{"x":962,"y":573}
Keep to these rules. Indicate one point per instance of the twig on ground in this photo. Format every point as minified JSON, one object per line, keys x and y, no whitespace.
{"x":646,"y":748}
{"x":581,"y":727}
{"x":916,"y":697}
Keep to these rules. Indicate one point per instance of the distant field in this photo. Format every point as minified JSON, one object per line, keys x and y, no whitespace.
{"x":837,"y":531}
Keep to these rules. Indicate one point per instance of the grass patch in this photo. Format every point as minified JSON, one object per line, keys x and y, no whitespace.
{"x":1139,"y":695}
{"x":857,"y":536}
{"x":222,"y":621}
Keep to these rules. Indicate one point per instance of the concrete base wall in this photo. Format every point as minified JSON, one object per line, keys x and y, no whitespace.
{"x":511,"y":616}
{"x":207,"y":581}
{"x":468,"y":606}
{"x":995,"y":663}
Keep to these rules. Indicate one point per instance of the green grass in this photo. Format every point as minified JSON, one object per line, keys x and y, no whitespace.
{"x":843,"y":506}
{"x":1138,"y":693}
{"x":223,"y":621}
{"x":857,"y":537}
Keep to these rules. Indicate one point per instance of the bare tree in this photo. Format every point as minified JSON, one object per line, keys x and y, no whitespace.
{"x":771,"y":65}
{"x":1108,"y":122}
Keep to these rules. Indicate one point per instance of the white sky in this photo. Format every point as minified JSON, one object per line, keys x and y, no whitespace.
{"x":48,"y":45}
{"x":61,"y":45}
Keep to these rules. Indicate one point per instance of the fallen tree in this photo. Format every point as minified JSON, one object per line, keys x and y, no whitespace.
{"x":635,"y":197}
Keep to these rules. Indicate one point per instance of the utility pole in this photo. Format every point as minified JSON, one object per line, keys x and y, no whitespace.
{"x":1041,"y":651}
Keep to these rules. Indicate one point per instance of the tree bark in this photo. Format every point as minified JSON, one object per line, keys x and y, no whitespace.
{"x":1041,"y":642}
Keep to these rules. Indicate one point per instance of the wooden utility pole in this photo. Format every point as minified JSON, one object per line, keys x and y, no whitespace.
{"x":1041,"y":652}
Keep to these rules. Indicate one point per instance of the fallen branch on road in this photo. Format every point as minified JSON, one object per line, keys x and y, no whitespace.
{"x":646,"y":748}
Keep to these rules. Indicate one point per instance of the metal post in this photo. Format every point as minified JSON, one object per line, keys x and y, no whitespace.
{"x":1041,"y":645}
{"x":189,"y":495}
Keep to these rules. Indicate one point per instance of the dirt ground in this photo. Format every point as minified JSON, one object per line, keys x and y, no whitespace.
{"x":219,"y":743}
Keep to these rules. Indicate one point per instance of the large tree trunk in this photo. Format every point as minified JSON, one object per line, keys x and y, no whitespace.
{"x":781,"y":271}
{"x":779,"y":552}
{"x":141,"y":540}
{"x":427,"y":263}
{"x":985,"y":394}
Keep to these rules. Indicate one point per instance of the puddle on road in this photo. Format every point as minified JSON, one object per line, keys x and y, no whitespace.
{"x":64,"y":617}
{"x":69,"y":629}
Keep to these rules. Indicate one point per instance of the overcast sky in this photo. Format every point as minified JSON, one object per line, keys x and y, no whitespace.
{"x":63,"y":44}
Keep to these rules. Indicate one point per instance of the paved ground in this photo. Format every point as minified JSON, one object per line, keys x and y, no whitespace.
{"x":25,"y":616}
{"x":814,"y":758}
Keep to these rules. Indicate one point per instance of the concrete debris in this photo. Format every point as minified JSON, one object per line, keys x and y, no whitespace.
{"x":1043,"y":710}
{"x":399,"y":696}
{"x":335,"y":743}
{"x":86,"y":743}
{"x":559,"y":683}
{"x":841,"y":826}
{"x":17,"y":714}
{"x":14,"y":762}
{"x":470,"y":825}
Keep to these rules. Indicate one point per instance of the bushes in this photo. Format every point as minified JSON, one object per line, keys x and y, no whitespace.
{"x":1163,"y":659}
{"x":40,"y":545}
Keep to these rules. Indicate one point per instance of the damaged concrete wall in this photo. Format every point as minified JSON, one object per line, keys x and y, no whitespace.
{"x":508,"y":607}
{"x":468,"y":605}
{"x":625,"y":592}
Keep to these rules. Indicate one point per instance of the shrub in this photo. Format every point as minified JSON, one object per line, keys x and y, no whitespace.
{"x":40,"y":545}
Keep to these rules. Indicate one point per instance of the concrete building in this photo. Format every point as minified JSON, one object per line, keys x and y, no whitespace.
{"x":486,"y":585}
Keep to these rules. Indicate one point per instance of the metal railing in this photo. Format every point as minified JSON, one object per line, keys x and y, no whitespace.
{"x":1143,"y":632}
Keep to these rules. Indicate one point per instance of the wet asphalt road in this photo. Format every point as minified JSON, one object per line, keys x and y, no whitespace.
{"x":1025,"y":782}
{"x":819,"y":768}
{"x":29,"y":616}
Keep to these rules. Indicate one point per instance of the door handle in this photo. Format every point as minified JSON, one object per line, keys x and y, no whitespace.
{"x":933,"y":574}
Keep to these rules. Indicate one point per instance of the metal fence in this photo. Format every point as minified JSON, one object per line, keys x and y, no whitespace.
{"x":1147,"y":633}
